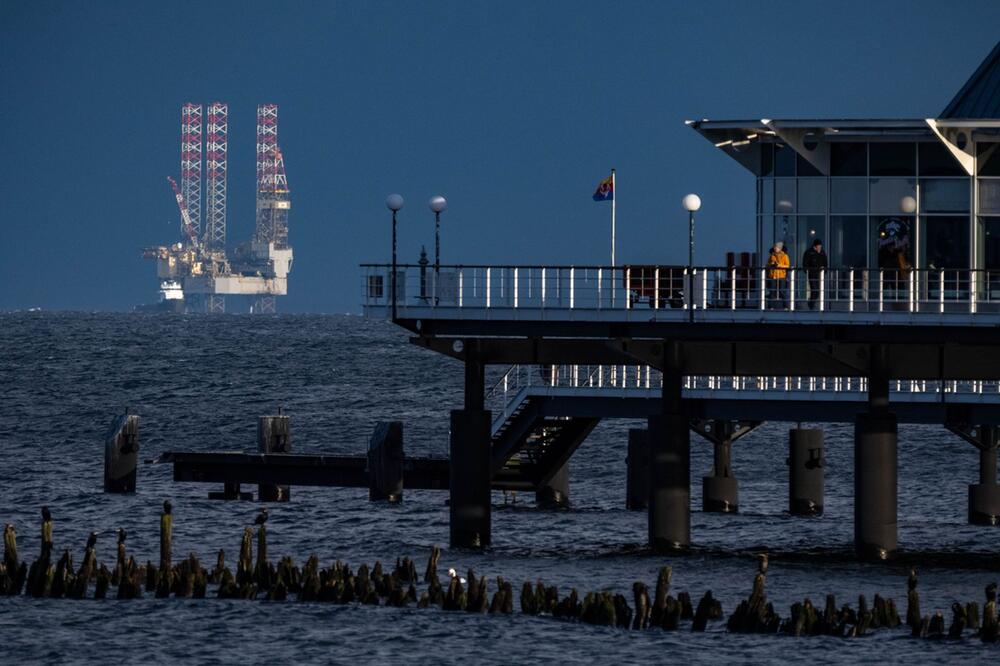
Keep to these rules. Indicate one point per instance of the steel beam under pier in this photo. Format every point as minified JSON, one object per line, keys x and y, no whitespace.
{"x":470,"y":511}
{"x":875,"y":466}
{"x":670,"y":462}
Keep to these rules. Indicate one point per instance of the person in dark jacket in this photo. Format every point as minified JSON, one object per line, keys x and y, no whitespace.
{"x":814,"y":261}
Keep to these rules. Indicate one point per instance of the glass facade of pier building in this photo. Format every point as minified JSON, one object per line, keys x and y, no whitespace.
{"x":880,"y":194}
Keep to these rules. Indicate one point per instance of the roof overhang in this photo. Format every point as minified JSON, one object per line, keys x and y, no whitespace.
{"x":811,"y":139}
{"x":959,"y":137}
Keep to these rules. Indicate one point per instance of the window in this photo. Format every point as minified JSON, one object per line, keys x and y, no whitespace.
{"x":989,"y":196}
{"x":988,"y":158}
{"x":945,"y":240}
{"x":892,"y":242}
{"x":893,"y":159}
{"x":784,"y":195}
{"x":767,"y":159}
{"x":847,"y":245}
{"x":784,"y":231}
{"x":805,"y":168}
{"x":784,"y":160}
{"x":944,"y":195}
{"x":809,"y":228}
{"x":937,"y":160}
{"x":811,"y":195}
{"x":848,"y":195}
{"x":766,"y":196}
{"x":848,"y":159}
{"x":888,"y":194}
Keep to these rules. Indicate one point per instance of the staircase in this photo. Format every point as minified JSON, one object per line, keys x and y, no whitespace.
{"x":529,"y":445}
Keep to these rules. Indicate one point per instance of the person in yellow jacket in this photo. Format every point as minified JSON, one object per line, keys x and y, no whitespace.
{"x":777,"y":276}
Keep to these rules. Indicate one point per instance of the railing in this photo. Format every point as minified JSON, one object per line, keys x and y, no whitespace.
{"x":632,"y":380}
{"x":674,"y":289}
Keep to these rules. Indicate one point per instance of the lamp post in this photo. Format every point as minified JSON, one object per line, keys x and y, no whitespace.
{"x":394,"y":202}
{"x":438,"y":204}
{"x":691,"y":203}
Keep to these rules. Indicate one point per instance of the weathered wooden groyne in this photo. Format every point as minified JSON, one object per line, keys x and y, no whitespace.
{"x":258,"y":577}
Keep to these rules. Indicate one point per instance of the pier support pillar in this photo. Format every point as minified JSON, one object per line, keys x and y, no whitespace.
{"x":385,"y":462}
{"x":637,"y":464}
{"x":805,"y":471}
{"x":984,"y":497}
{"x":274,"y":435}
{"x":469,"y":478}
{"x":469,"y":475}
{"x":720,"y":490}
{"x":670,"y":462}
{"x":876,"y":466}
{"x":554,"y":493}
{"x":121,"y":454}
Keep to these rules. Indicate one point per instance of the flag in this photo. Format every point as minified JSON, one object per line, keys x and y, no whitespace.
{"x":605,"y":190}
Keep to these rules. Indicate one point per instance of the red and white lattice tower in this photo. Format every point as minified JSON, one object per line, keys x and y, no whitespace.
{"x":191,"y":149}
{"x":216,"y":164}
{"x":272,"y":184}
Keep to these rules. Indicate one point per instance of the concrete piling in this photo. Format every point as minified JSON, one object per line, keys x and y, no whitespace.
{"x":637,"y":464}
{"x":670,"y":463}
{"x":806,"y":460}
{"x":385,"y":462}
{"x":274,"y":435}
{"x":720,"y":490}
{"x":875,"y":479}
{"x":554,"y":493}
{"x":875,"y":466}
{"x":121,"y":454}
{"x":469,"y":480}
{"x":469,"y":476}
{"x":984,"y":497}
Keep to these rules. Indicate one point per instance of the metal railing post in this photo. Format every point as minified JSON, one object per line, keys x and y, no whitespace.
{"x":656,"y":288}
{"x":732,"y":289}
{"x":850,"y":291}
{"x":488,"y":291}
{"x":822,"y":289}
{"x":763,"y":289}
{"x":572,"y":287}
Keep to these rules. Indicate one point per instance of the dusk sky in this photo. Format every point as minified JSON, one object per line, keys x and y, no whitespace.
{"x":512,"y":110}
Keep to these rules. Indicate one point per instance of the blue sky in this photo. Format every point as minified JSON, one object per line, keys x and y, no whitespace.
{"x":512,"y":110}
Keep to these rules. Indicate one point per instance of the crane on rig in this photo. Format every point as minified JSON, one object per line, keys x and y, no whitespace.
{"x":185,"y":215}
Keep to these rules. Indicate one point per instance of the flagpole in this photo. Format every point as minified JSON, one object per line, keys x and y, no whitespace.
{"x":613,"y":198}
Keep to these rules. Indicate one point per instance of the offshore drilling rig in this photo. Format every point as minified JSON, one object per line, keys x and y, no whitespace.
{"x":195,"y":273}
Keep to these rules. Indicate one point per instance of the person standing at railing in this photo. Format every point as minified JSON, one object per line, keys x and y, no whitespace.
{"x":777,"y":275}
{"x":814,"y":261}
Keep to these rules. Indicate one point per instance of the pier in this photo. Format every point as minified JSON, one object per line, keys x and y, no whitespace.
{"x":700,"y":347}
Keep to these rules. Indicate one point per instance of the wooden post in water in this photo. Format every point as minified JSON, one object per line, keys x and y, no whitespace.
{"x":385,"y":462}
{"x":274,"y":435}
{"x":166,"y":535}
{"x":121,"y":454}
